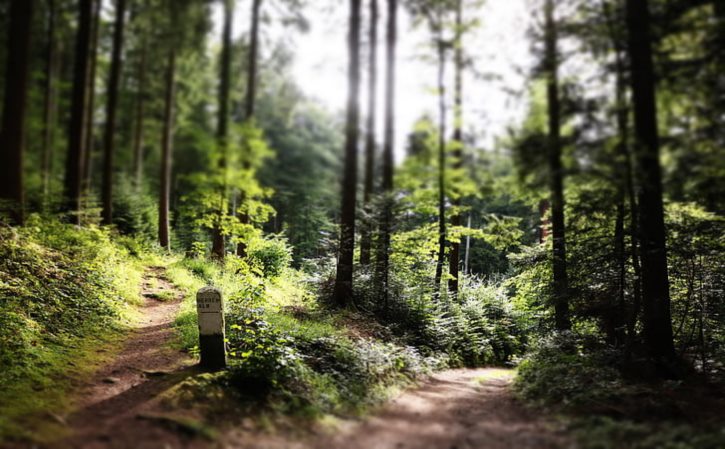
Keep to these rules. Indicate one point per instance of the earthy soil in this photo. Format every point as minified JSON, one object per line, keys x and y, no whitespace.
{"x":457,"y":409}
{"x":111,"y":408}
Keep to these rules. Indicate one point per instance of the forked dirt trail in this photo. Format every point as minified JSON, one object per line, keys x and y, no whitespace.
{"x":111,"y":407}
{"x":457,"y":409}
{"x":121,"y":407}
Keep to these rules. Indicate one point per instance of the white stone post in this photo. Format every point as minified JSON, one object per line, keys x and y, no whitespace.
{"x":210,"y":308}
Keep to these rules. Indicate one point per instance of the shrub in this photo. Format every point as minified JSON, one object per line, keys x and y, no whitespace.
{"x":272,"y":255}
{"x":569,"y":370}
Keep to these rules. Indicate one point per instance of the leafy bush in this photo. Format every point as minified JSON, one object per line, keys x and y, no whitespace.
{"x":271,"y":254}
{"x":482,"y":326}
{"x":563,"y":369}
{"x":260,"y":356}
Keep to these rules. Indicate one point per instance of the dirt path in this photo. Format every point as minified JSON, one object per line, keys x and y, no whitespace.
{"x":111,"y":407}
{"x":458,"y":409}
{"x":120,"y":408}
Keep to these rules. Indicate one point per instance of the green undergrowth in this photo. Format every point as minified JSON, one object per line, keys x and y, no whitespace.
{"x":289,"y":355}
{"x":582,"y":379}
{"x":65,"y":294}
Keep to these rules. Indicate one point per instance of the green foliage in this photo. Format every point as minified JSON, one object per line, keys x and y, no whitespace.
{"x":272,"y":254}
{"x":608,"y":433}
{"x":134,"y":212}
{"x":564,"y":370}
{"x":61,"y":287}
{"x":286,"y":354}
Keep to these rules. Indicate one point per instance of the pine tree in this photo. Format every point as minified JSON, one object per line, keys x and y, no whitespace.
{"x":657,"y":321}
{"x":12,"y":139}
{"x":343,"y":292}
{"x":109,"y":139}
{"x":556,"y":172}
{"x":76,"y":143}
{"x":370,"y":146}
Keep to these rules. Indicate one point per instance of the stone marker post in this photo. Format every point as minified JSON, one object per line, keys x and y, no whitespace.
{"x":210,"y":308}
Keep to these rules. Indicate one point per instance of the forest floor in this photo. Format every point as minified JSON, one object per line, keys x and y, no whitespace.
{"x":454,"y":409}
{"x":123,"y":407}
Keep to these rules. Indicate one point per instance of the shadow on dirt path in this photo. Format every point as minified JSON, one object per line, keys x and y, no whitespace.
{"x":110,"y":409}
{"x":457,"y":409}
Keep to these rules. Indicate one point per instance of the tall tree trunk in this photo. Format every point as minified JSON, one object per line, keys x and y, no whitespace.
{"x":167,"y":150}
{"x":49,"y":101}
{"x":250,"y":103}
{"x":556,"y":175}
{"x":655,"y":284}
{"x":468,"y":248}
{"x":383,"y":251}
{"x":457,"y":153}
{"x":343,"y":292}
{"x":12,"y":142}
{"x":441,"y":164}
{"x":76,"y":143}
{"x":218,"y":237}
{"x":624,"y":167}
{"x":109,"y":140}
{"x":138,"y":142}
{"x":617,"y":318}
{"x":250,"y":100}
{"x":366,"y":235}
{"x":89,"y":131}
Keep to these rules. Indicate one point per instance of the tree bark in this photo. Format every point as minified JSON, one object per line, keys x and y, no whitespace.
{"x":49,"y":103}
{"x":138,"y":135}
{"x":109,"y":140}
{"x":89,"y":131}
{"x":556,"y":175}
{"x":76,"y":144}
{"x":167,"y":151}
{"x":657,"y":321}
{"x":441,"y":165}
{"x":343,"y":291}
{"x":383,"y":251}
{"x":250,"y":102}
{"x":366,"y":235}
{"x":12,"y":143}
{"x":218,"y":237}
{"x":457,"y":153}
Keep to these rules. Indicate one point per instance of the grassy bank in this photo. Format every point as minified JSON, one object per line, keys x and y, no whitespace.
{"x":609,"y":407}
{"x":288,"y":354}
{"x":65,"y":293}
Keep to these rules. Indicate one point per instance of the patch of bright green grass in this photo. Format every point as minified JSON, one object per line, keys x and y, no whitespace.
{"x":495,"y":374}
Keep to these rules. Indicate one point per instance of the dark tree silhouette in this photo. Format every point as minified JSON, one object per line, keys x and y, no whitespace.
{"x":251,"y":97}
{"x":657,"y":323}
{"x":167,"y":149}
{"x":370,"y":147}
{"x":383,"y":251}
{"x":109,"y":137}
{"x":138,"y":134}
{"x":454,"y":257}
{"x":89,"y":132}
{"x":49,"y":100}
{"x":556,"y":172}
{"x":12,"y":141}
{"x":218,"y":238}
{"x":76,"y":143}
{"x":442,"y":160}
{"x":343,"y":292}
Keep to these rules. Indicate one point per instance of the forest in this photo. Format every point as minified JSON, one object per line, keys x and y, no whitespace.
{"x":425,"y":224}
